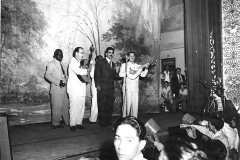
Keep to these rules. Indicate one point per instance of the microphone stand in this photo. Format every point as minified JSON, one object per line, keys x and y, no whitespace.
{"x":126,"y":85}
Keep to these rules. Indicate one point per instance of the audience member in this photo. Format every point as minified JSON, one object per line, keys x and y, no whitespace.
{"x":180,"y":150}
{"x":231,"y":134}
{"x":129,"y":138}
{"x":104,"y":81}
{"x":166,"y":95}
{"x":59,"y":100}
{"x":76,"y":90}
{"x":213,"y":130}
{"x":167,"y":76}
{"x":130,"y":86}
{"x":177,"y":79}
{"x":94,"y":109}
{"x":183,"y":98}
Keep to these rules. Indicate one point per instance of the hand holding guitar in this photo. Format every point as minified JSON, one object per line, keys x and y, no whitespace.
{"x":132,"y":74}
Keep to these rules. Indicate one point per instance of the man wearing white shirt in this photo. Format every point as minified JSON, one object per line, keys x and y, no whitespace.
{"x":75,"y":90}
{"x":131,"y":86}
{"x":213,"y":131}
{"x":167,"y":74}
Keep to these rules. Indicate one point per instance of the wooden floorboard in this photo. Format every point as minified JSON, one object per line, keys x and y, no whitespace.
{"x":41,"y":142}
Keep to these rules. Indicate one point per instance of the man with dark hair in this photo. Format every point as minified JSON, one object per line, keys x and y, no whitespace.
{"x":104,"y":81}
{"x":76,"y":90}
{"x":213,"y":130}
{"x":129,"y":138}
{"x":59,"y":101}
{"x":130,"y":86}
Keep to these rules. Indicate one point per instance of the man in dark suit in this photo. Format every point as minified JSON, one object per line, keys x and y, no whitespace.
{"x":104,"y":81}
{"x":176,"y":80}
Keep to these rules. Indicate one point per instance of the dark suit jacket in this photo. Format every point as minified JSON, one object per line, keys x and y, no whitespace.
{"x":104,"y":75}
{"x":175,"y":83}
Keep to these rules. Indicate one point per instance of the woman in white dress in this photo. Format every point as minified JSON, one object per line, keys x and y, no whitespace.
{"x":94,"y":108}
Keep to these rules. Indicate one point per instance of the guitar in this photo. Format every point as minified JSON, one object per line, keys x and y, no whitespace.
{"x":137,"y":70}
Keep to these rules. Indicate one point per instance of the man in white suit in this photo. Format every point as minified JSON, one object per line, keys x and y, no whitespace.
{"x":130,"y":85}
{"x":76,"y":90}
{"x":59,"y":101}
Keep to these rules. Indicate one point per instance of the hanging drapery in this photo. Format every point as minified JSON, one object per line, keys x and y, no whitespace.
{"x":203,"y":48}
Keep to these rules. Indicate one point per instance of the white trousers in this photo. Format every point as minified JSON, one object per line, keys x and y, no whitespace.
{"x":130,"y":104}
{"x":94,"y":108}
{"x":77,"y":108}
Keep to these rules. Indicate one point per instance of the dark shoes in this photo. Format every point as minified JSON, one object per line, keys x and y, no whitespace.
{"x":110,"y":124}
{"x":80,"y":127}
{"x":57,"y":126}
{"x":73,"y":128}
{"x":103,"y":125}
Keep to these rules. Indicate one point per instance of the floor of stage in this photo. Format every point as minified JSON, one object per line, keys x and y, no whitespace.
{"x":41,"y":142}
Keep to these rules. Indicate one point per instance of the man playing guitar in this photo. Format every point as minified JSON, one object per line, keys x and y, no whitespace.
{"x":131,"y":72}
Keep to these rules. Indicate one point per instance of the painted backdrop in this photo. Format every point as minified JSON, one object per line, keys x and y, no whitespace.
{"x":32,"y":29}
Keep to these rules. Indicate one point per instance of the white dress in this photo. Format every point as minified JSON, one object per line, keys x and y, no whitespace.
{"x":94,"y":108}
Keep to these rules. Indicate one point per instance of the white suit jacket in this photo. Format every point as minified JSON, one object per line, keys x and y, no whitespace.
{"x":54,"y":74}
{"x":132,"y":85}
{"x":74,"y":85}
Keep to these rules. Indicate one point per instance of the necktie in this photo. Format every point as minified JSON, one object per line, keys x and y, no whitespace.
{"x":62,"y":69}
{"x":110,"y":63}
{"x":180,"y":79}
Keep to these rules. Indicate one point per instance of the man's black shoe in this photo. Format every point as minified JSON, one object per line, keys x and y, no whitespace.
{"x":73,"y":128}
{"x":103,"y":125}
{"x":57,"y":126}
{"x":110,"y":124}
{"x":80,"y":127}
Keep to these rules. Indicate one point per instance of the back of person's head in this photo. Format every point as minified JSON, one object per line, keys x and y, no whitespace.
{"x":217,"y":122}
{"x":178,"y":149}
{"x":134,"y":123}
{"x":98,"y":57}
{"x":76,"y":50}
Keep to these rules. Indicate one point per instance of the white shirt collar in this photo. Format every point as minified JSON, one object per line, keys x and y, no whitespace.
{"x":108,"y":59}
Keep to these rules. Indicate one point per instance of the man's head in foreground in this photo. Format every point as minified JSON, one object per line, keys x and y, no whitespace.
{"x":129,"y":138}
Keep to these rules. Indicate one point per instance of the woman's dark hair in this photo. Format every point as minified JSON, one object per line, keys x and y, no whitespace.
{"x":181,"y":149}
{"x":135,"y":123}
{"x":76,"y":50}
{"x":108,"y":48}
{"x":57,"y":52}
{"x":98,"y":57}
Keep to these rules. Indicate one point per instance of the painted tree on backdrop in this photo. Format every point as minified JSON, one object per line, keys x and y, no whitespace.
{"x":122,"y":33}
{"x":22,"y":30}
{"x":85,"y":19}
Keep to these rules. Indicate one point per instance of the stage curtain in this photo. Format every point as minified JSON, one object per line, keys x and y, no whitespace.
{"x":201,"y":17}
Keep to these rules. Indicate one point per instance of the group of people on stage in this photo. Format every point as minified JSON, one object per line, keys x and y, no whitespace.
{"x":100,"y":71}
{"x":174,"y":90}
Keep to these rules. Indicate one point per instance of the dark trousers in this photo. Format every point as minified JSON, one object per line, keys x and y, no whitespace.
{"x":105,"y":106}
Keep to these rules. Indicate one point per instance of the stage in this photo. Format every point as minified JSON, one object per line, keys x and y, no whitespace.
{"x":41,"y":142}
